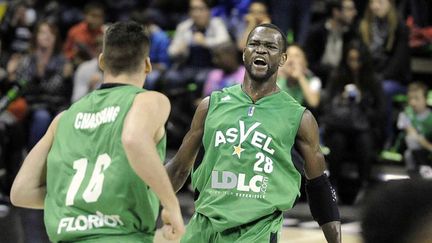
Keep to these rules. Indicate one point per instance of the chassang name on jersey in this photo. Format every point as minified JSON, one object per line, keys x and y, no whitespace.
{"x":93,"y":120}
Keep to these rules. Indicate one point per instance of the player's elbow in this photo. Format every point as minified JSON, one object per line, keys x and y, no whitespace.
{"x":131,"y":140}
{"x":17,"y":195}
{"x":25,"y":196}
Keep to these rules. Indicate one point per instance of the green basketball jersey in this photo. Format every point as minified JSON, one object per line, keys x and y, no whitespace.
{"x":423,"y":125}
{"x":93,"y":194}
{"x":247,"y":171}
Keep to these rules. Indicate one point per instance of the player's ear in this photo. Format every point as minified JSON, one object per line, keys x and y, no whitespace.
{"x":101,"y":62}
{"x":283,"y":59}
{"x":148,"y":66}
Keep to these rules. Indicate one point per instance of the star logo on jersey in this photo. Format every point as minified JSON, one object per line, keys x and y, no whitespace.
{"x":237,"y":150}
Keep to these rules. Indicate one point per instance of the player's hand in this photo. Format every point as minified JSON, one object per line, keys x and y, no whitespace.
{"x":297,"y":71}
{"x":411,"y":131}
{"x":250,"y":20}
{"x":13,"y":64}
{"x":199,"y":38}
{"x":266,"y":20}
{"x":173,"y":227}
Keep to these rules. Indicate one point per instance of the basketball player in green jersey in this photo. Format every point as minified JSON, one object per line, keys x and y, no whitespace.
{"x":247,"y":178}
{"x":93,"y":170}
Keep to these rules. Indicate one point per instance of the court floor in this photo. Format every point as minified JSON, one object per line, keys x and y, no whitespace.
{"x":298,"y":226}
{"x":293,"y":235}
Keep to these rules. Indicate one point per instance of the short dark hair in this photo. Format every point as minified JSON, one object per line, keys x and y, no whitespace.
{"x":396,"y":211}
{"x":263,"y":2}
{"x":125,"y":46}
{"x":208,"y":3}
{"x":418,"y":86}
{"x":272,"y":26}
{"x":332,"y":4}
{"x":146,"y":17}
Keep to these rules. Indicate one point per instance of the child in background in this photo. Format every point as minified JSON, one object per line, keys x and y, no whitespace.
{"x":416,"y":120}
{"x":295,"y":78}
{"x":229,"y":69}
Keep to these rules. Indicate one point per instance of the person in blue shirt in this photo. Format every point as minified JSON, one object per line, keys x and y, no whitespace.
{"x":159,"y":46}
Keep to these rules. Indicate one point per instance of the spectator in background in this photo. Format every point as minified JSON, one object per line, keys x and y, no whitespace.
{"x":48,"y":75}
{"x":232,"y":12}
{"x":87,"y":77}
{"x":82,"y":38}
{"x":190,"y":53}
{"x":13,"y":110}
{"x":398,"y":212}
{"x":16,"y":28}
{"x":416,"y":121}
{"x":120,"y":10}
{"x":325,"y":40}
{"x":229,"y":69}
{"x":292,"y":16}
{"x":387,"y":39}
{"x":170,"y":12}
{"x":352,"y":107}
{"x":257,"y":14}
{"x":296,"y":79}
{"x":158,"y":48}
{"x":191,"y":45}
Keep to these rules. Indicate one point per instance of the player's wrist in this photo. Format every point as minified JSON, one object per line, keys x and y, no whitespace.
{"x":171,"y":204}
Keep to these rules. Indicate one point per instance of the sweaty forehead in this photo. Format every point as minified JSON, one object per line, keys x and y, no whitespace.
{"x":268,"y":35}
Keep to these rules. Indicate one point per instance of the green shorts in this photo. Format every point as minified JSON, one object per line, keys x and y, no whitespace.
{"x":265,"y":230}
{"x":134,"y":238}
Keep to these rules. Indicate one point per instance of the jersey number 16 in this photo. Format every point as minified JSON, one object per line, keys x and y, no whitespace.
{"x":94,"y":188}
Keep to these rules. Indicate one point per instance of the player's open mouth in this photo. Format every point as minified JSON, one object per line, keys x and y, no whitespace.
{"x":260,"y":62}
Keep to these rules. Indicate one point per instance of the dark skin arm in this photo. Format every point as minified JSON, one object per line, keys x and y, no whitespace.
{"x":307,"y":141}
{"x":179,"y":167}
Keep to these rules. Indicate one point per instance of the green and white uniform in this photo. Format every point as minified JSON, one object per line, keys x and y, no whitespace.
{"x":422,"y":123}
{"x":247,"y":177}
{"x":93,"y":194}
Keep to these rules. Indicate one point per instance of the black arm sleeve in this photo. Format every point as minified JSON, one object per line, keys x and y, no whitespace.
{"x":322,"y":200}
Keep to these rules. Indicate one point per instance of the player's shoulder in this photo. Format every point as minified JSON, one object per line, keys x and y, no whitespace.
{"x":54,"y":123}
{"x":308,"y":119}
{"x":152,"y":97}
{"x":58,"y":117}
{"x":204,"y":104}
{"x":233,"y":90}
{"x":288,"y":100}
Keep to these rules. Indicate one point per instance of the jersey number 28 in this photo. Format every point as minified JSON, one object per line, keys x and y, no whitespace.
{"x":94,"y":188}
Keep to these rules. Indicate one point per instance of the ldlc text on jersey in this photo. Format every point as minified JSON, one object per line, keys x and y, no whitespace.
{"x":245,"y":185}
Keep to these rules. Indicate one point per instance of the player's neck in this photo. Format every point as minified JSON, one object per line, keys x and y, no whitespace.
{"x":257,"y":90}
{"x":136,"y":79}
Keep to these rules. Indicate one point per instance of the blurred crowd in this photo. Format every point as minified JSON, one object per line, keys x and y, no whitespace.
{"x":349,"y":62}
